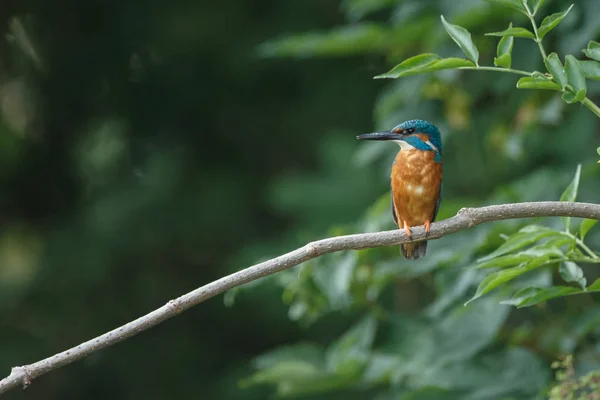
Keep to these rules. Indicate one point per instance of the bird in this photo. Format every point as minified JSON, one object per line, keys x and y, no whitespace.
{"x":416,"y":178}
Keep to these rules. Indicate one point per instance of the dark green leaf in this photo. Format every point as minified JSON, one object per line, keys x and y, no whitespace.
{"x":538,"y":5}
{"x":357,"y":9}
{"x":516,"y":32}
{"x":576,"y":79}
{"x":334,"y":278}
{"x":285,"y":370}
{"x":291,"y":368}
{"x":591,"y":69}
{"x":524,"y":237}
{"x":466,"y":331}
{"x":498,"y":278}
{"x":462,"y":37}
{"x":585,"y":227}
{"x":537,"y":83}
{"x":349,"y":354}
{"x":425,"y":63}
{"x":504,"y":51}
{"x":530,"y":296}
{"x":512,"y":4}
{"x":593,"y":50}
{"x":308,"y":353}
{"x":380,"y":367}
{"x":500,"y":375}
{"x":570,"y":194}
{"x":346,"y":40}
{"x":555,"y":67}
{"x":551,"y":21}
{"x":504,"y":261}
{"x":545,"y":251}
{"x":571,"y":272}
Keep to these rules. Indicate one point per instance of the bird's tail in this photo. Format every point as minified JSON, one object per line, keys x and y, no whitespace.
{"x":413,"y":251}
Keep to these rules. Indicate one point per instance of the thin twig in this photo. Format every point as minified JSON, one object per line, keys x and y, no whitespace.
{"x":466,"y":218}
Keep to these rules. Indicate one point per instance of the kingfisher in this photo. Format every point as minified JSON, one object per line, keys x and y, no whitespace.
{"x":416,"y":178}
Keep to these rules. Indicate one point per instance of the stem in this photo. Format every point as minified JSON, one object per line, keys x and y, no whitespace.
{"x":586,"y":102}
{"x":587,"y":249}
{"x":591,"y":106}
{"x":581,"y":244}
{"x":535,"y":31}
{"x":498,"y":69}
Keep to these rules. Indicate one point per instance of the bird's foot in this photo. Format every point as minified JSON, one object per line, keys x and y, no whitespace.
{"x":427,"y":228}
{"x":407,"y":230}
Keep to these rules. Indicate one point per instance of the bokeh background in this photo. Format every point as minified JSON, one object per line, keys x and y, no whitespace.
{"x":148,"y":148}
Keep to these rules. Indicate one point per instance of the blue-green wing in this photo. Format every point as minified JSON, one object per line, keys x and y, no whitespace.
{"x":394,"y":208}
{"x":437,"y":205}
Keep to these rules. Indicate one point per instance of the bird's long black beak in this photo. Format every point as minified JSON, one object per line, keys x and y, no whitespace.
{"x":387,"y":135}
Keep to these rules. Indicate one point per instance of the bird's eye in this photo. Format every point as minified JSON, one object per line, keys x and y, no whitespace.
{"x":409,"y":131}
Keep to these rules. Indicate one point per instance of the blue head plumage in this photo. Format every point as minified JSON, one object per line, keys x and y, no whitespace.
{"x":421,"y":126}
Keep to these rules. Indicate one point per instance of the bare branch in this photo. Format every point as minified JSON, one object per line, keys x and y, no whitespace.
{"x":466,"y":218}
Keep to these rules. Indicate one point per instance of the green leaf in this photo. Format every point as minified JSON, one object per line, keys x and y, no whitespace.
{"x":424,"y":63}
{"x":504,"y":61}
{"x":524,"y":237}
{"x":357,"y":9}
{"x":516,"y":32}
{"x":594,"y":287}
{"x":551,"y":21}
{"x":380,"y":367}
{"x":411,"y":66}
{"x":538,"y":5}
{"x":546,"y":251}
{"x":576,"y":79}
{"x":512,"y":4}
{"x":555,"y":67}
{"x":334,"y":278}
{"x":570,"y":194}
{"x":462,"y":37}
{"x":506,"y":260}
{"x":346,"y":40}
{"x":466,"y":331}
{"x":591,"y":69}
{"x":585,"y":227}
{"x":571,"y":272}
{"x":537,"y":83}
{"x":308,"y":353}
{"x":495,"y":279}
{"x":349,"y":354}
{"x":292,"y":368}
{"x":504,"y":51}
{"x":449,"y":63}
{"x":530,"y":296}
{"x":593,"y":50}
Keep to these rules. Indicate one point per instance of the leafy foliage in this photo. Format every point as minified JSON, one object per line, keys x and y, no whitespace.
{"x":570,"y":386}
{"x":439,"y":327}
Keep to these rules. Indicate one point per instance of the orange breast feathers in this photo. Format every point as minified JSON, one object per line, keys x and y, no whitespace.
{"x":415,"y":180}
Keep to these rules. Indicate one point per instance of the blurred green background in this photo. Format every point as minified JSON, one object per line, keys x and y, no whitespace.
{"x":148,"y":148}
